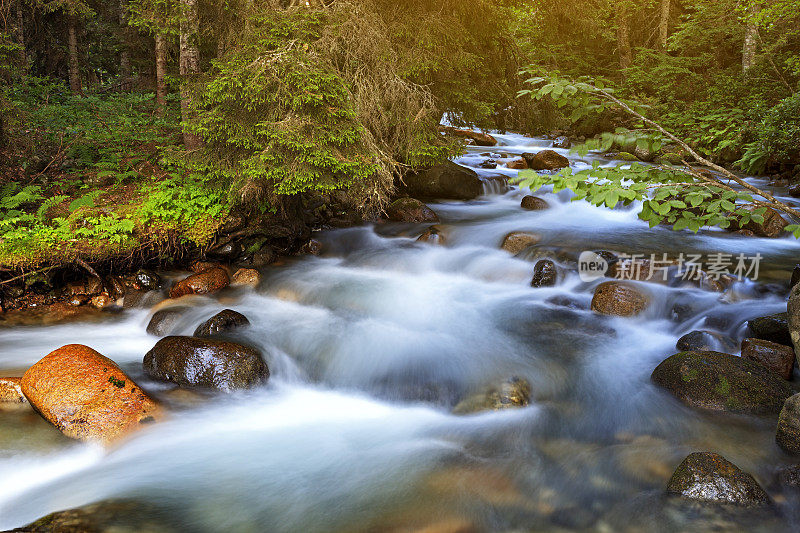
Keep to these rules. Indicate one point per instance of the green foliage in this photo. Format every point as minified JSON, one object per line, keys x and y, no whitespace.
{"x":667,"y":195}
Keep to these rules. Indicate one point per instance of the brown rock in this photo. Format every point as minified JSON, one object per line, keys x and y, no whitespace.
{"x":771,"y":227}
{"x":204,"y":282}
{"x":618,"y":298}
{"x":202,"y":266}
{"x":312,"y":247}
{"x":546,"y":160}
{"x":775,"y":357}
{"x":517,"y":241}
{"x":479,"y":138}
{"x":788,"y":433}
{"x":410,"y":210}
{"x":246,"y":276}
{"x":517,"y":164}
{"x":11,"y":393}
{"x":534,"y":203}
{"x":709,"y":477}
{"x":433,"y":235}
{"x":86,"y":395}
{"x":101,"y":301}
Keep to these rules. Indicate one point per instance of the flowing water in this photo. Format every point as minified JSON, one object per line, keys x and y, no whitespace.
{"x":370,"y":346}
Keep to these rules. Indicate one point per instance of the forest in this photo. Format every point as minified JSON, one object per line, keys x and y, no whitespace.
{"x":134,"y":128}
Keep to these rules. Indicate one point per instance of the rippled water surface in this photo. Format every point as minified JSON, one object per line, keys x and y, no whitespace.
{"x":371,"y":345}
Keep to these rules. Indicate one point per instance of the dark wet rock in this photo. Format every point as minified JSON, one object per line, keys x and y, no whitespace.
{"x":146,"y":280}
{"x":789,"y":476}
{"x":792,"y":319}
{"x":534,"y":203}
{"x":477,"y":137}
{"x":566,"y":301}
{"x":545,"y":274}
{"x":223,"y":322}
{"x":489,"y":164}
{"x":410,"y":210}
{"x":795,"y":276}
{"x":788,"y":433}
{"x":226,"y":252}
{"x":164,"y":321}
{"x":108,"y":516}
{"x":702,"y":341}
{"x":246,"y":276}
{"x":102,"y":301}
{"x":794,"y":191}
{"x":263,"y":257}
{"x":773,"y":328}
{"x":204,"y":282}
{"x":722,"y":382}
{"x":447,"y":180}
{"x":201,"y":266}
{"x":546,"y":160}
{"x":517,"y":164}
{"x":562,"y":142}
{"x":433,"y":235}
{"x":619,"y":299}
{"x":234,"y":222}
{"x":514,"y":392}
{"x":86,"y":395}
{"x":216,"y":364}
{"x":517,"y":241}
{"x":312,"y":247}
{"x":115,"y":287}
{"x":778,"y":358}
{"x":709,"y":477}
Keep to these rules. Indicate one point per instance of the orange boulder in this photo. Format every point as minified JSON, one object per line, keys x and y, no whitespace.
{"x":86,"y":395}
{"x":204,"y":282}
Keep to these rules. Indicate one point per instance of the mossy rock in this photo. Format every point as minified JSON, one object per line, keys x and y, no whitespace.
{"x":709,"y":477}
{"x":721,"y":382}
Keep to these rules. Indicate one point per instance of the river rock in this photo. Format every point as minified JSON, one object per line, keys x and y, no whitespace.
{"x":699,"y":341}
{"x":562,"y":142}
{"x":534,"y":203}
{"x":514,"y":392}
{"x":774,"y":328}
{"x":11,"y":393}
{"x":446,"y":180}
{"x":489,"y":164}
{"x":204,"y":282}
{"x":517,"y":164}
{"x":433,"y":235}
{"x":146,"y":280}
{"x":249,"y":277}
{"x":709,"y":477}
{"x":223,"y":322}
{"x":771,"y":227}
{"x":108,"y":516}
{"x":410,"y":210}
{"x":312,"y":247}
{"x":718,"y":381}
{"x":191,"y":361}
{"x":201,"y":266}
{"x":477,"y":137}
{"x":792,"y":319}
{"x":545,"y":274}
{"x":86,"y":395}
{"x":163,"y":321}
{"x":226,"y":252}
{"x":546,"y":160}
{"x":788,"y":433}
{"x":265,"y":256}
{"x":771,"y":355}
{"x":619,"y":299}
{"x":517,"y":241}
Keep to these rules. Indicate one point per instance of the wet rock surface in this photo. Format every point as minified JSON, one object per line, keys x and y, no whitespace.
{"x":534,"y":203}
{"x":722,"y":382}
{"x":447,"y":180}
{"x":776,"y":357}
{"x":225,"y":321}
{"x":410,"y":210}
{"x":545,"y":274}
{"x":517,"y":241}
{"x":774,"y":328}
{"x":204,"y":282}
{"x":546,"y":160}
{"x":709,"y":477}
{"x":164,"y":321}
{"x":619,"y":299}
{"x":513,"y":392}
{"x":788,"y":432}
{"x":215,"y":364}
{"x":87,"y":396}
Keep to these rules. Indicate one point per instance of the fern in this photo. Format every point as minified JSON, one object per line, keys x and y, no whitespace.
{"x":41,"y":213}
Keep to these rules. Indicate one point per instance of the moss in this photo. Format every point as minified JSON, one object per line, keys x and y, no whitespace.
{"x":119,"y":383}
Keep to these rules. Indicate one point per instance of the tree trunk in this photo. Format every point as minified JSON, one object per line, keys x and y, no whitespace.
{"x":623,"y":35}
{"x":161,"y":73}
{"x":750,"y":46}
{"x":125,"y":38}
{"x":74,"y":67}
{"x":189,"y":66}
{"x":19,"y":35}
{"x":663,"y":24}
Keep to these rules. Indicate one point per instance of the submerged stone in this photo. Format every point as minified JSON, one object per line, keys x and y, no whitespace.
{"x":709,"y":477}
